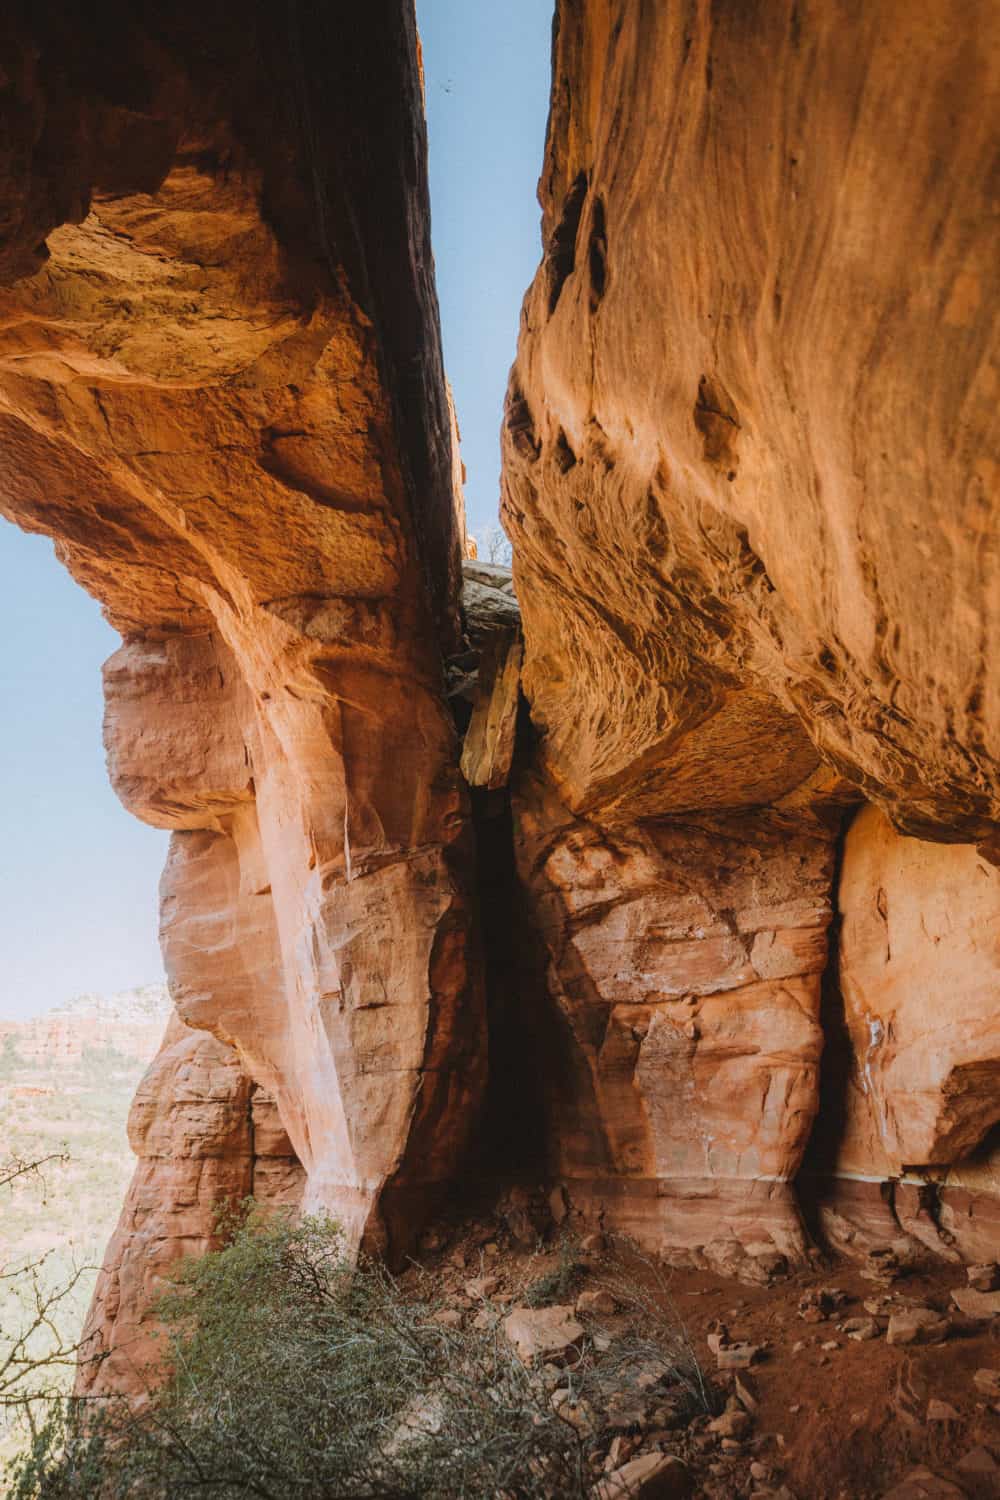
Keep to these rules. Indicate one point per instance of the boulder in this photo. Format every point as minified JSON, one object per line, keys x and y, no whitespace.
{"x":917,"y":1325}
{"x":975,"y":1304}
{"x":650,"y":1476}
{"x":924,"y":1484}
{"x":596,"y":1302}
{"x":543,"y":1333}
{"x":482,"y":1287}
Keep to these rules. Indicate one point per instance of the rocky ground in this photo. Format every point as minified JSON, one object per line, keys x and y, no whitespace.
{"x":835,"y":1382}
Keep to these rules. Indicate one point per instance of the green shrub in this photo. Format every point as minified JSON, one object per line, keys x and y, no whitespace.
{"x":297,"y":1376}
{"x":558,"y":1284}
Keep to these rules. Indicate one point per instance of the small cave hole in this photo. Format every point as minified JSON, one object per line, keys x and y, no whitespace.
{"x":562,"y":247}
{"x":565,"y":457}
{"x":597,"y":254}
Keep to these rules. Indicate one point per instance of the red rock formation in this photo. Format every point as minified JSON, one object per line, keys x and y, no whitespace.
{"x":221,"y":391}
{"x":685,"y":960}
{"x":750,"y":445}
{"x":205,"y":1137}
{"x":131,"y":1023}
{"x":751,"y":429}
{"x":919,"y":973}
{"x":750,"y":450}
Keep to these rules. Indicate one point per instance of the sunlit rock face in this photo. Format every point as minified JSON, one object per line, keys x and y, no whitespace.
{"x":684,"y":968}
{"x":920,"y":976}
{"x":750,"y":460}
{"x":752,"y":429}
{"x":750,"y":453}
{"x":221,"y":392}
{"x":206,"y":1139}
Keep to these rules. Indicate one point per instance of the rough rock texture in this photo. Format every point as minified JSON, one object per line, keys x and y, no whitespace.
{"x":751,"y":526}
{"x":205,"y":1135}
{"x":221,"y":392}
{"x":751,"y":443}
{"x":750,"y":463}
{"x":682,"y":1056}
{"x":919,"y":974}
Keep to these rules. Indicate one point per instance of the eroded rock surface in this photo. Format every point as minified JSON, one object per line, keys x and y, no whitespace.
{"x":750,"y":450}
{"x":206,"y":1137}
{"x":752,"y":431}
{"x":919,"y":974}
{"x":221,"y":392}
{"x":682,"y":1061}
{"x":750,"y":461}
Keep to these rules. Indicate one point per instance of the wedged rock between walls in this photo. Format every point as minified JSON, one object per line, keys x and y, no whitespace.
{"x":738,"y":843}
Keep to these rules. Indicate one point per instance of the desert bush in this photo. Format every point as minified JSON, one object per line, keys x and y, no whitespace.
{"x":559,"y":1283}
{"x":298,"y":1374}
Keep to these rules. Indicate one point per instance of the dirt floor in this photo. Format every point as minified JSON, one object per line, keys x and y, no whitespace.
{"x":831,"y":1418}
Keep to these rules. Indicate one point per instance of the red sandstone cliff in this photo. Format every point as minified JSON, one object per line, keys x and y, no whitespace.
{"x":131,"y":1022}
{"x":750,"y":460}
{"x":750,"y":454}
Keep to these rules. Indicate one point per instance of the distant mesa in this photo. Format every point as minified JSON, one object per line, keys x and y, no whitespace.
{"x":130,"y":1021}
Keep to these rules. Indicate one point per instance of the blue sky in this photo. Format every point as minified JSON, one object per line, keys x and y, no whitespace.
{"x":486,"y":76}
{"x":78,"y":875}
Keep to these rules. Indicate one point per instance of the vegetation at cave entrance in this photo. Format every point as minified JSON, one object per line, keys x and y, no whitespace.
{"x":298,"y":1374}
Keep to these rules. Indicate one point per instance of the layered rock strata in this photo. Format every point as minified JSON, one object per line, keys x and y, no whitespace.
{"x":919,"y":968}
{"x":750,"y":453}
{"x":682,"y":1067}
{"x":206,"y":1138}
{"x":221,"y":392}
{"x":750,"y":456}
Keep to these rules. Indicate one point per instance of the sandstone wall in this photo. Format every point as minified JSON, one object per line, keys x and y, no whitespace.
{"x":751,"y":430}
{"x":221,"y":392}
{"x":684,"y":968}
{"x":206,"y":1138}
{"x":750,"y":460}
{"x":750,"y":456}
{"x":919,"y":969}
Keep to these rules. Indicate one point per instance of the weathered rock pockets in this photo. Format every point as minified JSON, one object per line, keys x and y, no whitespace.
{"x":755,"y":568}
{"x":749,"y":477}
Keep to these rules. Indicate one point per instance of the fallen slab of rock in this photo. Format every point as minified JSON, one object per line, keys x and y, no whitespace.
{"x":651,"y":1476}
{"x":917,"y":1325}
{"x":543,"y":1332}
{"x":975,"y":1304}
{"x":984,"y":1278}
{"x":924,"y":1484}
{"x":736,"y":1356}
